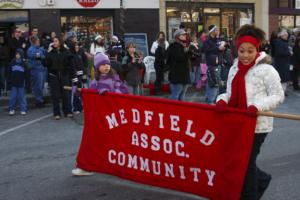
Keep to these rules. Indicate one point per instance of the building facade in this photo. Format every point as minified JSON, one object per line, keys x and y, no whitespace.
{"x":87,"y":17}
{"x":229,"y":15}
{"x":284,"y":13}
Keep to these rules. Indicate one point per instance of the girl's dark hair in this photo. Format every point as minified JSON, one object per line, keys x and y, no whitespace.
{"x":251,"y":30}
{"x":161,"y":33}
{"x":61,"y":41}
{"x":111,"y":73}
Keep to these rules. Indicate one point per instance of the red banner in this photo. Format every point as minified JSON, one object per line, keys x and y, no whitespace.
{"x":182,"y":146}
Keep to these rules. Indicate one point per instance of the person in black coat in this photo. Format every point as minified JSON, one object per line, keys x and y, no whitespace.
{"x":296,"y":63}
{"x":159,"y":64}
{"x":214,"y":50}
{"x":2,"y":68}
{"x":282,"y":54}
{"x":58,"y":62}
{"x":179,"y":65}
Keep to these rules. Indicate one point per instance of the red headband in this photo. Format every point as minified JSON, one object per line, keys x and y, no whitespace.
{"x":248,"y":39}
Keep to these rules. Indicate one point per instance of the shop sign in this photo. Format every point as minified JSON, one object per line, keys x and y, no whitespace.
{"x":11,"y":4}
{"x":88,"y":3}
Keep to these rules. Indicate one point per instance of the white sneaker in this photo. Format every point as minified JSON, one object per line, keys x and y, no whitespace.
{"x":23,"y":113}
{"x":11,"y":112}
{"x":81,"y":172}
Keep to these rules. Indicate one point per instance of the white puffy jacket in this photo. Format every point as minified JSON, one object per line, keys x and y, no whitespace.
{"x":263,"y":90}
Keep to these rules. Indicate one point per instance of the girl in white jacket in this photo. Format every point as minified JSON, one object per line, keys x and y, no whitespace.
{"x":253,"y":85}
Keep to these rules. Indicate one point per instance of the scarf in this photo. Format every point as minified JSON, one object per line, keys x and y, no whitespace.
{"x":238,"y":97}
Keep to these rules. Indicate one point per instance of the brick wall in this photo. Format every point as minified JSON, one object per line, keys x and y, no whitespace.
{"x":273,"y":21}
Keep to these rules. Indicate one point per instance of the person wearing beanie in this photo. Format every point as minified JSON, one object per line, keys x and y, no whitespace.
{"x":253,"y":85}
{"x":116,"y":46}
{"x":97,"y":46}
{"x":17,"y":79}
{"x":214,"y":50}
{"x":179,"y":66}
{"x":106,"y":80}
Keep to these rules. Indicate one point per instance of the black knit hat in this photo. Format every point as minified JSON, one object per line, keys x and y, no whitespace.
{"x":212,"y":28}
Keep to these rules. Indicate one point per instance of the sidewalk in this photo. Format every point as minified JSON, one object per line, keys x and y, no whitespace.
{"x":4,"y":100}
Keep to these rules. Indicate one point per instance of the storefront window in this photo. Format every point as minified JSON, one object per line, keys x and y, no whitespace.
{"x":287,"y":21}
{"x":297,"y":21}
{"x":199,"y":16}
{"x":283,"y":3}
{"x":245,"y":16}
{"x":88,"y":27}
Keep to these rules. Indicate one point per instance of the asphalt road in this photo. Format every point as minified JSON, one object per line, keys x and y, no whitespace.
{"x":37,"y":155}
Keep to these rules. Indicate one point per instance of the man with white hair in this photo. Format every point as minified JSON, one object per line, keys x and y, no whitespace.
{"x":213,"y":49}
{"x":282,"y":55}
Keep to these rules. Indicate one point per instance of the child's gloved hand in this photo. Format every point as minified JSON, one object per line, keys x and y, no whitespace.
{"x":103,"y":91}
{"x":252,"y":111}
{"x":75,"y":90}
{"x":221,"y":106}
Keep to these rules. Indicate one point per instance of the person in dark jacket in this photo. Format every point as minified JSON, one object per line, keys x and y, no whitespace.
{"x":195,"y":57}
{"x":117,"y":47}
{"x":133,"y":67}
{"x":282,"y":55}
{"x":17,"y":42}
{"x":115,"y":64}
{"x":296,"y":63}
{"x":2,"y":69}
{"x":36,"y":58}
{"x":179,"y":65}
{"x":80,"y":63}
{"x":214,"y":49}
{"x":17,"y":80}
{"x":60,"y":74}
{"x":159,"y":64}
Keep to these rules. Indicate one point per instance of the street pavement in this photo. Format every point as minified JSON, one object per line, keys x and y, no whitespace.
{"x":38,"y":153}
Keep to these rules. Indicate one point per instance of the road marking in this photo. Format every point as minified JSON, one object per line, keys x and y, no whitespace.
{"x":25,"y":124}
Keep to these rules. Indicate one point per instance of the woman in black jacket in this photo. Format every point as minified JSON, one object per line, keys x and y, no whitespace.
{"x":159,"y":64}
{"x":178,"y":61}
{"x":296,"y":63}
{"x":60,"y":71}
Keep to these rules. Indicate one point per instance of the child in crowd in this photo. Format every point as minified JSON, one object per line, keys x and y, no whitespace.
{"x":253,"y":84}
{"x":17,"y":80}
{"x":106,"y":80}
{"x":133,"y":65}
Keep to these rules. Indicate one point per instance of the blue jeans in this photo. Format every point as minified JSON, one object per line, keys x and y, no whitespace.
{"x":38,"y":80}
{"x":178,"y":91}
{"x":195,"y":74}
{"x":17,"y":92}
{"x":211,"y":94}
{"x":2,"y":79}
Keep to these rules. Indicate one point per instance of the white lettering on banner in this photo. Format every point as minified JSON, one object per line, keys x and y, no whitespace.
{"x":168,"y":170}
{"x":144,"y":164}
{"x":168,"y":146}
{"x":135,"y":116}
{"x":181,"y":169}
{"x":208,"y":138}
{"x":161,"y":120}
{"x":195,"y":172}
{"x":175,"y":125}
{"x":210,"y":176}
{"x":148,"y":117}
{"x":112,"y":121}
{"x":155,"y":143}
{"x":132,"y":161}
{"x":188,"y":129}
{"x":122,"y":116}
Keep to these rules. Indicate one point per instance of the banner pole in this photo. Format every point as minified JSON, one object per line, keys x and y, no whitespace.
{"x":260,"y":113}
